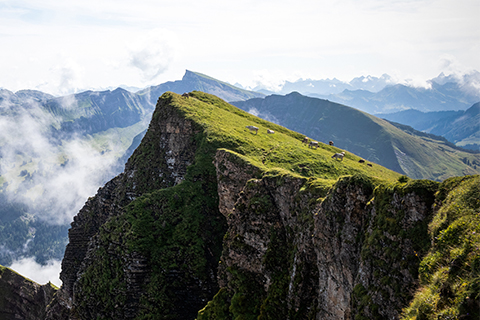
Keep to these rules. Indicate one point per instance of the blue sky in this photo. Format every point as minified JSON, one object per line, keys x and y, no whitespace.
{"x":62,"y":46}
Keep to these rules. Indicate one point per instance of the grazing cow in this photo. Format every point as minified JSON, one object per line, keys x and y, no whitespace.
{"x":305,"y":140}
{"x":369,"y":164}
{"x":252,"y":128}
{"x":339,"y":155}
{"x":330,"y":143}
{"x":270,"y":131}
{"x":361,"y":161}
{"x":313,"y":144}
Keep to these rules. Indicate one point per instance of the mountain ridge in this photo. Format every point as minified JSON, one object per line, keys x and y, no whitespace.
{"x":210,"y":220}
{"x":292,"y":220}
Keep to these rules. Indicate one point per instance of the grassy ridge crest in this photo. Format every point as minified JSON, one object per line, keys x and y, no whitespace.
{"x":225,"y":127}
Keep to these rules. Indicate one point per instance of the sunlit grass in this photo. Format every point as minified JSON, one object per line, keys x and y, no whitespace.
{"x":225,"y":126}
{"x":450,"y":272}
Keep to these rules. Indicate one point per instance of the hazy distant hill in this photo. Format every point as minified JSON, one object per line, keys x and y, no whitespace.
{"x":92,"y":112}
{"x":23,"y":96}
{"x":400,"y":97}
{"x":414,"y":153}
{"x":459,"y":127}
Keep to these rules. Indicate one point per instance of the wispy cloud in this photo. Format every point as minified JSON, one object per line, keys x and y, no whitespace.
{"x":41,"y":274}
{"x":152,"y":53}
{"x":61,"y":174}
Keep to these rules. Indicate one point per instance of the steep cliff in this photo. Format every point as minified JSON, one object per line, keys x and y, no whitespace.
{"x":21,"y":298}
{"x":296,"y":250}
{"x":161,"y":161}
{"x":212,"y":221}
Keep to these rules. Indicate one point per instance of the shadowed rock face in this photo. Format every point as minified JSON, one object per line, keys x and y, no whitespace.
{"x":21,"y":298}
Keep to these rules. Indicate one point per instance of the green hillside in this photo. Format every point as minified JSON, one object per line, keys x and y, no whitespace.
{"x":418,"y":155}
{"x":282,"y":151}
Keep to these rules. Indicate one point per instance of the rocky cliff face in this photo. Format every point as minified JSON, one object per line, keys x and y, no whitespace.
{"x":193,"y":230}
{"x":21,"y":298}
{"x":167,"y":150}
{"x":295,"y":253}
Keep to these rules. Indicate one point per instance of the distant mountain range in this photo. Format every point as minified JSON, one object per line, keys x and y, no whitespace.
{"x":330,"y":86}
{"x":448,"y":96}
{"x":382,"y":95}
{"x":460,"y":127}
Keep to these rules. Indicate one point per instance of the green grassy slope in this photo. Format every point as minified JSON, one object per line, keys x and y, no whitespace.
{"x":426,"y":157}
{"x":179,"y":230}
{"x":449,"y":273}
{"x":225,"y":126}
{"x":417,"y":155}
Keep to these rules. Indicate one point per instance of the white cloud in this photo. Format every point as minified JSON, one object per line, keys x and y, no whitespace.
{"x":70,"y":77}
{"x":269,"y":80}
{"x":451,"y":66}
{"x":121,"y":42}
{"x":153,"y":52}
{"x":41,"y":274}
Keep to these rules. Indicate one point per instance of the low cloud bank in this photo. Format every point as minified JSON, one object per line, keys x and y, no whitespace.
{"x":52,"y":177}
{"x":41,"y":274}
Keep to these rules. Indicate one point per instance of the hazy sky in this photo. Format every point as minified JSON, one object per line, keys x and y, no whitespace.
{"x":59,"y":46}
